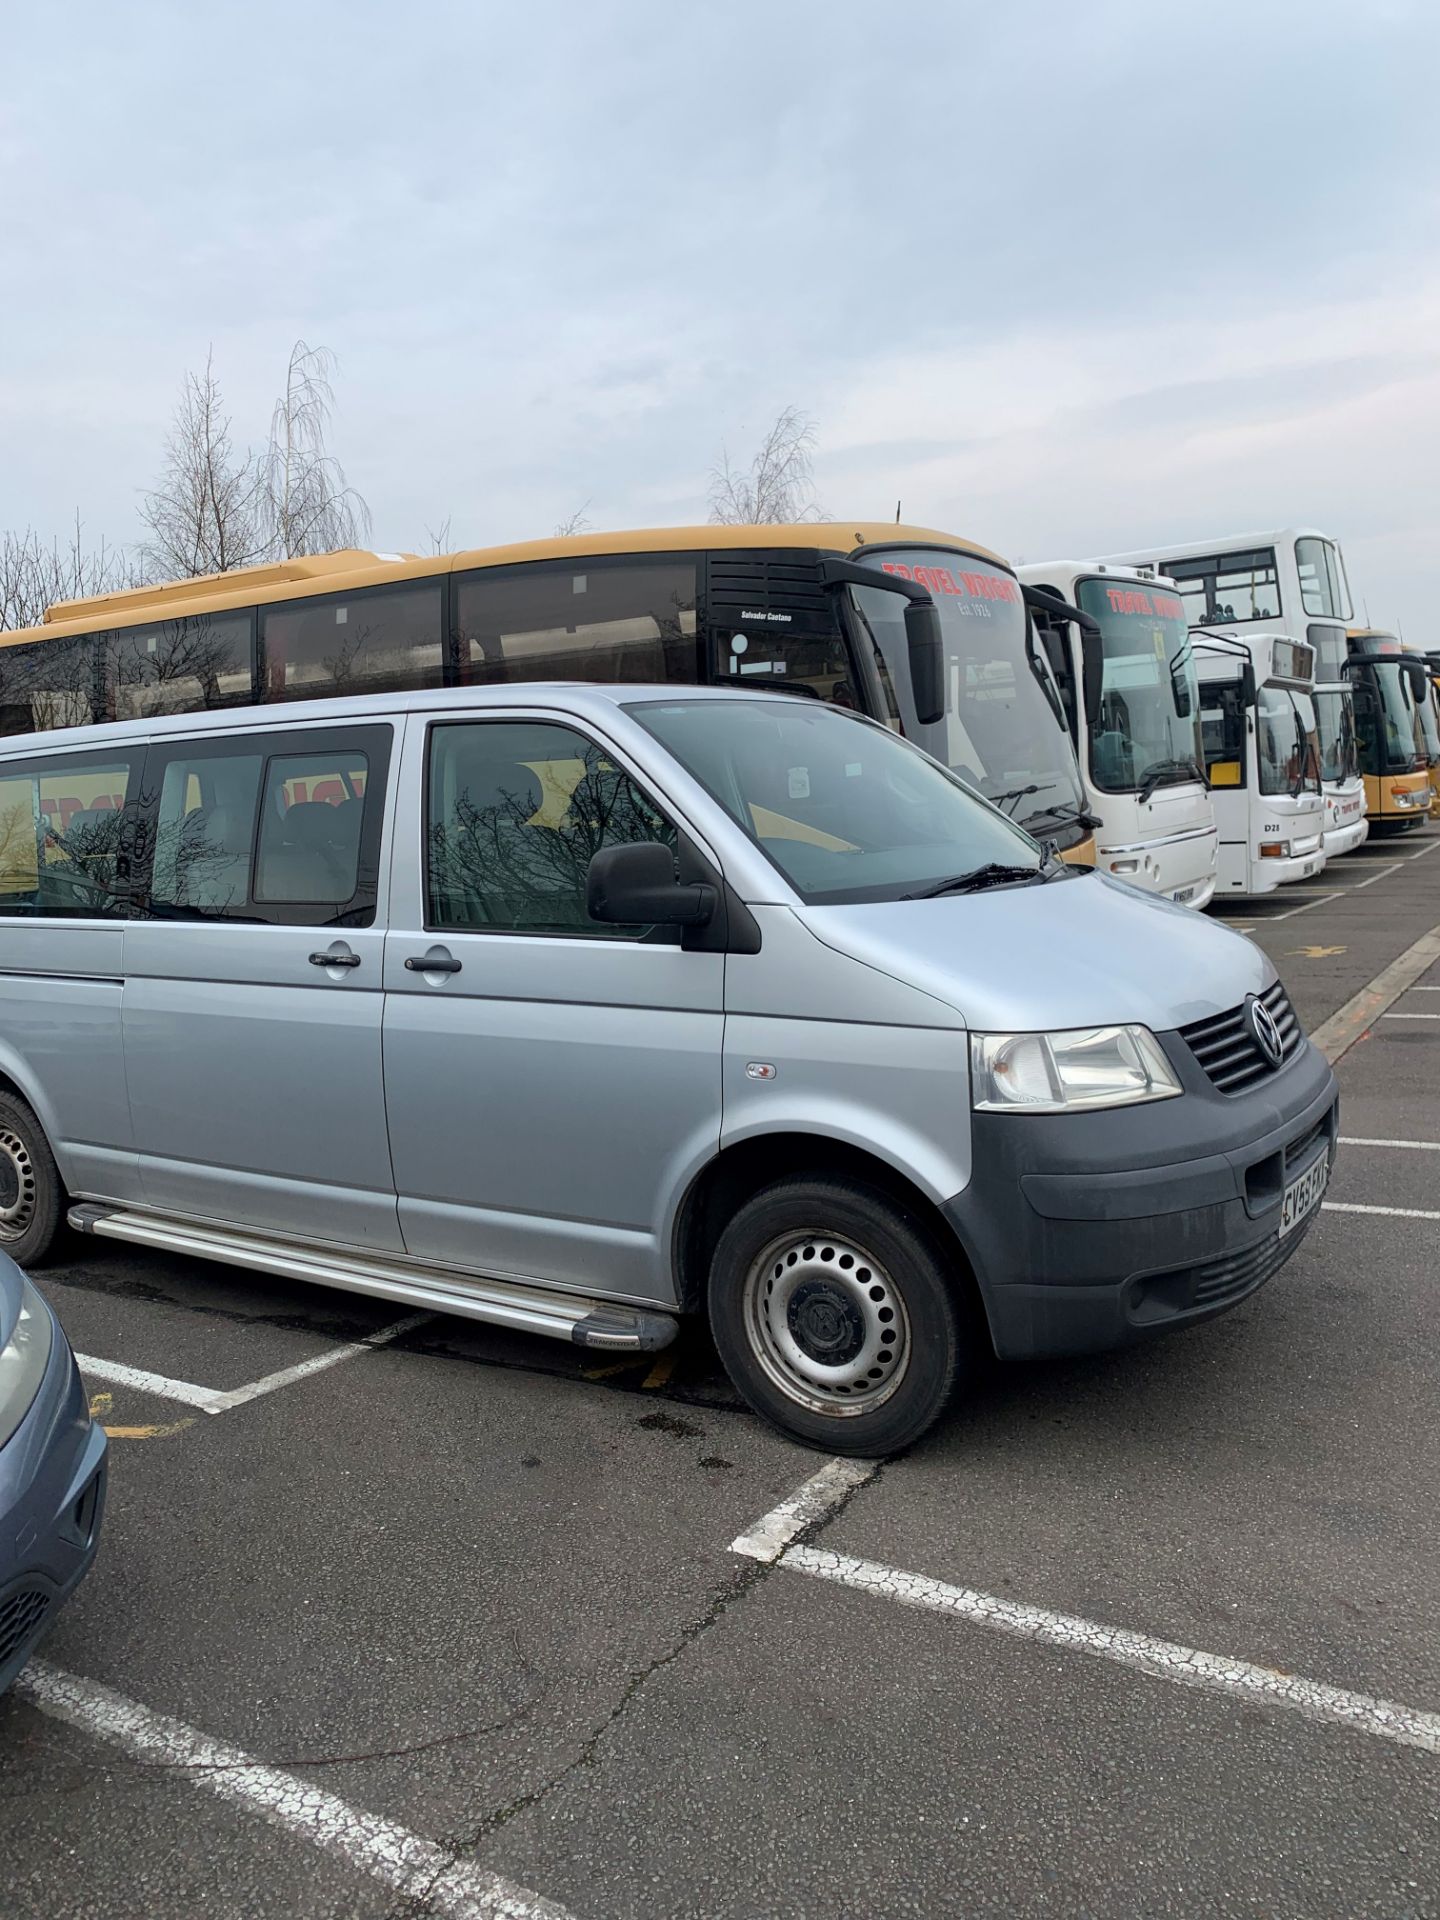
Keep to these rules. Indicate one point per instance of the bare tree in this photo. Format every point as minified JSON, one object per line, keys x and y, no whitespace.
{"x":573,"y":523}
{"x":34,"y":574}
{"x":439,"y":537}
{"x":777,"y":487}
{"x":306,"y":503}
{"x":205,"y":514}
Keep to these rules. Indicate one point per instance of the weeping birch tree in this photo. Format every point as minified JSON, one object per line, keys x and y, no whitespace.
{"x":306,"y":503}
{"x":777,"y":487}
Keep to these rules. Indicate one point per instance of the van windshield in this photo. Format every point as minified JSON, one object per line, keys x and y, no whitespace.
{"x":845,"y":809}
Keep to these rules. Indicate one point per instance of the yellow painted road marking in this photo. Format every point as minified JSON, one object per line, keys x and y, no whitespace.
{"x":660,"y":1372}
{"x":100,"y":1406}
{"x":149,"y":1433}
{"x":1318,"y":953}
{"x":608,"y":1373}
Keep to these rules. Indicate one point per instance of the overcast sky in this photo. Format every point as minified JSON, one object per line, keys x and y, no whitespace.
{"x":1066,"y":278}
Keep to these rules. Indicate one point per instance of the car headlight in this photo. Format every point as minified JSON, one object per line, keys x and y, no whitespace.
{"x":1068,"y":1072}
{"x":23,"y":1360}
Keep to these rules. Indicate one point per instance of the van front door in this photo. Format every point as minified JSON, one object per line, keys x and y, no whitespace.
{"x":551,"y":1083}
{"x":252,"y":1003}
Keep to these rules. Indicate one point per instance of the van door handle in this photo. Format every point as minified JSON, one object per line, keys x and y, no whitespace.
{"x":342,"y":959}
{"x":436,"y":961}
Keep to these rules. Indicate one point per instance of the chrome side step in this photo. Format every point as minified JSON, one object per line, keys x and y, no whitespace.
{"x":500,"y":1303}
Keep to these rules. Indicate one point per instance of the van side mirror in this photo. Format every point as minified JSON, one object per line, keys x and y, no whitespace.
{"x":634,"y":885}
{"x":1419,"y":680}
{"x":1249,"y":690}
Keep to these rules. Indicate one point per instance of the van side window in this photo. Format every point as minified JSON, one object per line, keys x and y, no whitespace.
{"x":310,"y":827}
{"x":60,"y":822}
{"x":516,"y":811}
{"x":203,"y":834}
{"x":278,"y":828}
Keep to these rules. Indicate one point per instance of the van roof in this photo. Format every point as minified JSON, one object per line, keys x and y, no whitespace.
{"x":580,"y":696}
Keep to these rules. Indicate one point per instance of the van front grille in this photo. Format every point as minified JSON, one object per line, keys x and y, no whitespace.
{"x":22,"y":1614}
{"x":1225,"y":1280}
{"x":1225,"y":1048}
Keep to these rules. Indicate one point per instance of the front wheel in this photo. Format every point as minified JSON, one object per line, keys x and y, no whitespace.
{"x":835,"y":1316}
{"x":31,"y":1196}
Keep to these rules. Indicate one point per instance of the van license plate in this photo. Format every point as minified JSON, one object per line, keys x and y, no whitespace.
{"x":1302,"y":1196}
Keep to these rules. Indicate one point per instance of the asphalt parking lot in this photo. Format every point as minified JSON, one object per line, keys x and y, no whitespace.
{"x":400,"y":1616}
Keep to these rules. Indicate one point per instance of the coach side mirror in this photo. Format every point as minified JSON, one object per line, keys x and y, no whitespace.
{"x":927,"y":660}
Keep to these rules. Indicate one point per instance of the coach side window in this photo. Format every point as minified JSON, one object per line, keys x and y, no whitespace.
{"x":60,"y":835}
{"x":180,"y":666}
{"x":380,"y":640}
{"x":631,"y":620}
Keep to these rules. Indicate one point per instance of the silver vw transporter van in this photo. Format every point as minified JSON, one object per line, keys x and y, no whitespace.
{"x":577,"y":1008}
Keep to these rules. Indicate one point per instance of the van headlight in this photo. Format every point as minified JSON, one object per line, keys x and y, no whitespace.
{"x":1068,"y":1072}
{"x":23,"y":1360}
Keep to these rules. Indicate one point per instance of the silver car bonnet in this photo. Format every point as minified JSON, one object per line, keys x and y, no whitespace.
{"x":1082,"y":952}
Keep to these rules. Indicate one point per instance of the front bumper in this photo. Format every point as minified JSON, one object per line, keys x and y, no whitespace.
{"x":1345,"y":839}
{"x":1092,"y":1231}
{"x":1270,"y":874}
{"x":52,"y":1500}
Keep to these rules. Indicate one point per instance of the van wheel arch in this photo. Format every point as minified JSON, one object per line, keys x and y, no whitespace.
{"x":739,"y":1172}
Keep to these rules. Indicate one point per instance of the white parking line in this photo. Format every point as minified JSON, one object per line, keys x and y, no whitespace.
{"x":1410,"y":1016}
{"x":218,"y":1399}
{"x":1309,"y":907}
{"x":803,"y":1509}
{"x":1161,"y":1659}
{"x":1395,"y":1213}
{"x":152,"y":1383}
{"x":388,"y":1853}
{"x":1411,"y":1146}
{"x":302,"y":1370}
{"x":773,"y":1539}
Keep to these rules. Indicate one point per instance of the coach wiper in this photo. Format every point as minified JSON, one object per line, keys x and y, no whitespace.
{"x":1157,"y":770}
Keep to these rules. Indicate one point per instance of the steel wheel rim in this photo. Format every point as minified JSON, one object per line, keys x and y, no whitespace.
{"x":17,"y":1212}
{"x":826,"y":1323}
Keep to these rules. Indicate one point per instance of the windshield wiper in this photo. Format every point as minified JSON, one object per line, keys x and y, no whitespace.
{"x":1015,"y":793}
{"x":993,"y":874}
{"x":1069,"y":810}
{"x":1157,"y":770}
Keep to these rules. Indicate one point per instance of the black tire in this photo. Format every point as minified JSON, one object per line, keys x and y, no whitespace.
{"x":32,"y":1197}
{"x":806,"y":1282}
